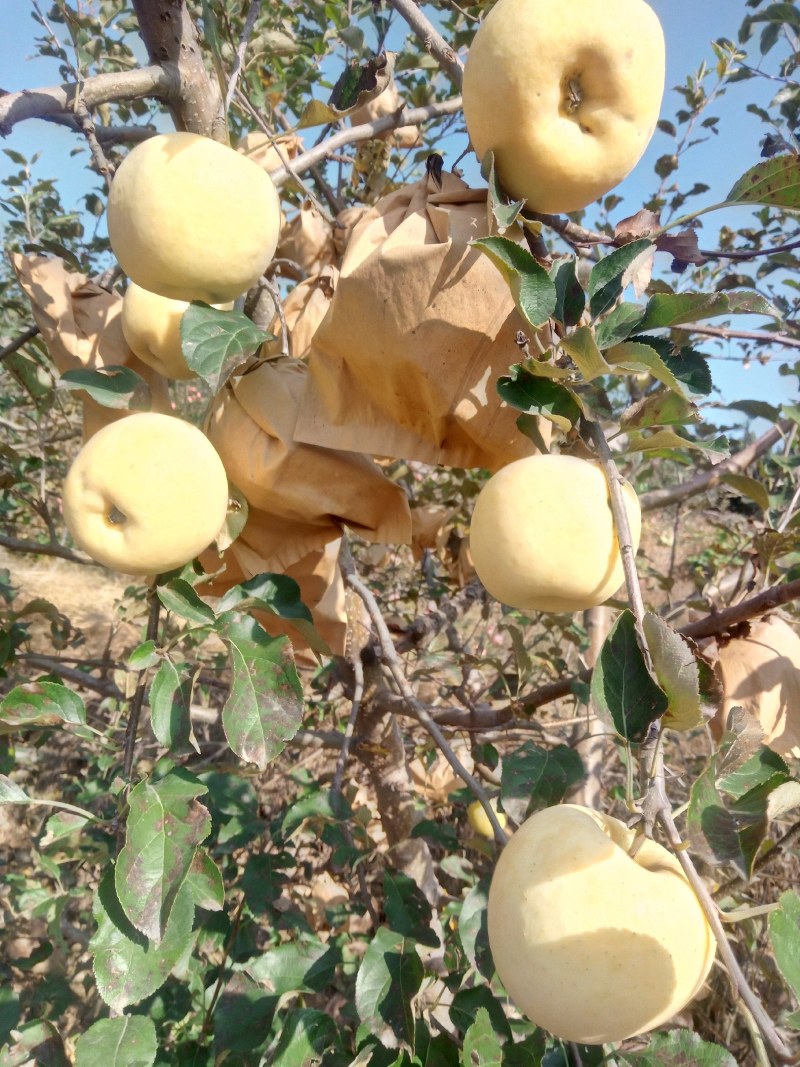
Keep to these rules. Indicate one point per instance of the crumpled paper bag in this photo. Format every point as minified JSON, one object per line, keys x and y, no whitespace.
{"x":388,"y":103}
{"x":344,"y":224}
{"x":307,"y":240}
{"x":318,"y":575}
{"x":303,"y":310}
{"x":270,"y":153}
{"x":421,"y":325}
{"x":304,"y":494}
{"x":81,"y":324}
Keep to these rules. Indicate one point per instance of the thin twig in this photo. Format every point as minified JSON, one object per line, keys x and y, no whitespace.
{"x":358,"y":693}
{"x":71,"y":674}
{"x":744,"y":335}
{"x":705,"y":899}
{"x":238,"y":62}
{"x":420,"y":713}
{"x":137,"y":702}
{"x":14,"y":544}
{"x":18,"y":342}
{"x":431,"y":38}
{"x":366,"y":131}
{"x":89,"y":130}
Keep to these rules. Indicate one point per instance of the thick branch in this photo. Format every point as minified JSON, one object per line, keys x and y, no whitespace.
{"x":14,"y":544}
{"x":172,"y":41}
{"x":660,"y":498}
{"x":99,"y":89}
{"x":415,"y":116}
{"x":431,"y":38}
{"x":720,"y":621}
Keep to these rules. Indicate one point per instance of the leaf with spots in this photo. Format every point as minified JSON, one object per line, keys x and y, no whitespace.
{"x":165,"y":825}
{"x":775,"y":182}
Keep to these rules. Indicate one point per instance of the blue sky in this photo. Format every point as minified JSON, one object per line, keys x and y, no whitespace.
{"x":689,"y":25}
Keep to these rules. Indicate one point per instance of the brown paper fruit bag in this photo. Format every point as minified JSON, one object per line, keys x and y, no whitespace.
{"x":389,"y":102}
{"x":300,"y":495}
{"x":421,"y":325}
{"x":306,"y":240}
{"x":318,"y":575}
{"x":761,"y":673}
{"x":344,"y":224}
{"x":303,"y":310}
{"x":270,"y":152}
{"x":81,"y":324}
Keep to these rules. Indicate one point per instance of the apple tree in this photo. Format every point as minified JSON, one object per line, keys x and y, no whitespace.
{"x":251,"y":806}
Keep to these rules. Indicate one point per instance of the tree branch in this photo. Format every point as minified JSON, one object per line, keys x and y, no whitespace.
{"x":171,"y":39}
{"x":661,"y":498}
{"x":744,"y":335}
{"x":365,"y":132}
{"x":431,"y":39}
{"x":14,"y":544}
{"x":60,"y":100}
{"x":18,"y":342}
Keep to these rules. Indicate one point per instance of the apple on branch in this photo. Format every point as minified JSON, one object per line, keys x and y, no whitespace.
{"x":592,"y":943}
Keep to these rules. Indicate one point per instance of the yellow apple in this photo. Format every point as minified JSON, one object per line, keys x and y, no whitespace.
{"x":479,"y":820}
{"x":761,"y":673}
{"x":590,"y":943}
{"x":152,"y":327}
{"x":567,"y":96}
{"x":542,"y":535}
{"x":192,"y":219}
{"x":146,"y":494}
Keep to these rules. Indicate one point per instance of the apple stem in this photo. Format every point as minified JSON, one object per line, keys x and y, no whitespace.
{"x":421,"y":714}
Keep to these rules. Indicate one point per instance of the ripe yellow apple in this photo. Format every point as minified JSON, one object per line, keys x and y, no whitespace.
{"x":145,"y":494}
{"x":542,"y":535}
{"x":152,"y":327}
{"x":591,"y":944}
{"x":191,"y":219}
{"x":567,"y":96}
{"x":761,"y":673}
{"x":479,"y":820}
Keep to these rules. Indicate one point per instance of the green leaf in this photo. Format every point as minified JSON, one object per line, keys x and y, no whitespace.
{"x":36,"y":1044}
{"x":40,"y":704}
{"x":279,"y":595}
{"x":611,"y":275}
{"x":582,"y":348}
{"x":60,"y":826}
{"x":127,"y":967}
{"x":214,"y":342}
{"x":679,"y":1048}
{"x":128,"y":1041}
{"x":688,"y":366}
{"x":467,"y":1002}
{"x":749,"y":487}
{"x":634,"y":356}
{"x":757,"y":409}
{"x":729,"y":833}
{"x":775,"y":181}
{"x":662,"y":440}
{"x":482,"y":1046}
{"x":505,"y":214}
{"x":407,"y":909}
{"x":265,"y":706}
{"x":112,"y":387}
{"x":204,"y":882}
{"x":358,"y":83}
{"x":536,"y":777}
{"x":180,"y":598}
{"x":760,"y":768}
{"x":677,"y":672}
{"x":170,"y":708}
{"x":663,"y":408}
{"x":675,"y":309}
{"x":538,"y":396}
{"x":165,"y":825}
{"x":622,"y":690}
{"x":305,"y":1035}
{"x":388,"y":980}
{"x":473,"y":931}
{"x":534,"y":293}
{"x":784,"y":933}
{"x":296,"y":967}
{"x":619,"y":325}
{"x":11,"y":793}
{"x":570,"y":297}
{"x":144,"y":656}
{"x":243,"y":1017}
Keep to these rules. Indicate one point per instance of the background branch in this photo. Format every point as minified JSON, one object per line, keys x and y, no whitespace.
{"x":431,"y":38}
